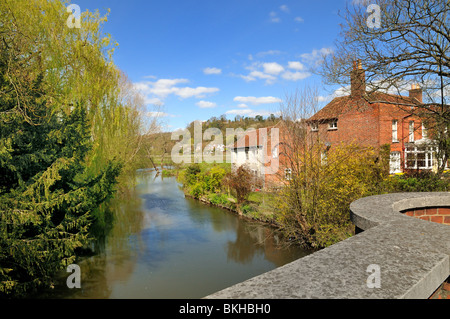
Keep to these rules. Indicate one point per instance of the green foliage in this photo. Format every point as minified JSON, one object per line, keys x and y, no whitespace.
{"x":197,"y":190}
{"x":219,"y":199}
{"x":201,"y":179}
{"x":243,"y":122}
{"x":314,"y":206}
{"x":418,"y":181}
{"x":45,"y":216}
{"x":168,"y":173}
{"x":68,"y":129}
{"x":246,"y":209}
{"x":213,"y":179}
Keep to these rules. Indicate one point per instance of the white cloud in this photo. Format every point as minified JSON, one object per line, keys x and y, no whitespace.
{"x":295,"y":76}
{"x":252,"y":76}
{"x":250,"y":112}
{"x":239,"y":111}
{"x":257,"y":100}
{"x":197,"y":92}
{"x":272,"y":68}
{"x":205,"y":104}
{"x":326,"y":98}
{"x":285,"y":8}
{"x":316,"y":56}
{"x":295,"y":65}
{"x":154,"y":101}
{"x":299,"y":19}
{"x":160,"y":89}
{"x":273,"y":17}
{"x":159,"y":114}
{"x":243,"y":105}
{"x":271,"y":71}
{"x":212,"y":71}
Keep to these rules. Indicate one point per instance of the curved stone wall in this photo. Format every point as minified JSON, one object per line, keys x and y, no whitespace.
{"x":408,"y":257}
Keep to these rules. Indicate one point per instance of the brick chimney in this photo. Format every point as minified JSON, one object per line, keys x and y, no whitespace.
{"x":416,"y":92}
{"x":358,"y":80}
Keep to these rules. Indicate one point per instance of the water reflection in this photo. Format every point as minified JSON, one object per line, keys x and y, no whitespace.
{"x":163,"y":245}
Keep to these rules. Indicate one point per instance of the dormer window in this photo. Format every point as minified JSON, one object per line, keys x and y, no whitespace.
{"x":332,"y":125}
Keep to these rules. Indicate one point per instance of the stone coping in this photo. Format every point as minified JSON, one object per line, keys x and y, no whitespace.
{"x":412,"y":255}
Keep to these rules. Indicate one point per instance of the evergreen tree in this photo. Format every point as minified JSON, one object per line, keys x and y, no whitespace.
{"x":46,"y":196}
{"x":64,"y":122}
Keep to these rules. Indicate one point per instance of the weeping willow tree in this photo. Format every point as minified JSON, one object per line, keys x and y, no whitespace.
{"x":70,"y":129}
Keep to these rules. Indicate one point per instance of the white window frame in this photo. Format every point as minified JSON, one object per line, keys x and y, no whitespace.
{"x":394,"y":131}
{"x":275,"y":152}
{"x":411,"y":131}
{"x":314,"y":127}
{"x":332,"y":125}
{"x":414,"y":151}
{"x":424,"y":131}
{"x":395,"y":165}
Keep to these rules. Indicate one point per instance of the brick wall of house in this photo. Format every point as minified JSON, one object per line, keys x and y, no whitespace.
{"x":388,"y":113}
{"x":354,"y":127}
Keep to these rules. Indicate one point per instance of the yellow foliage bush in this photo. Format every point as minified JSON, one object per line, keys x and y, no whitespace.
{"x":315,"y":205}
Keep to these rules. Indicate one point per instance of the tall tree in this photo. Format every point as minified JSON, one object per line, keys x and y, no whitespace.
{"x":69,"y":122}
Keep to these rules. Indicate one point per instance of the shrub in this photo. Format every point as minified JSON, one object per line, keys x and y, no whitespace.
{"x":418,"y":181}
{"x":241,"y":182}
{"x":213,"y":179}
{"x":219,"y":199}
{"x":314,"y":206}
{"x":197,"y":190}
{"x":191,"y":174}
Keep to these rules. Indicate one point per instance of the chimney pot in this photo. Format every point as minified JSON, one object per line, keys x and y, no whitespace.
{"x":416,"y":92}
{"x":358,"y":80}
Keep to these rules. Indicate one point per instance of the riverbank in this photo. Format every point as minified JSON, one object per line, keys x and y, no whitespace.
{"x":249,"y":211}
{"x":205,"y":185}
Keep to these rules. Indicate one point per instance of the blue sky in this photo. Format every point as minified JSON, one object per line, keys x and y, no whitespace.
{"x":197,"y":58}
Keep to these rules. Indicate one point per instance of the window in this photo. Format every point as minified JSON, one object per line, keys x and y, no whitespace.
{"x":314,"y":127}
{"x":288,"y":174}
{"x":332,"y":125}
{"x":411,"y":131}
{"x":419,"y":157}
{"x":424,"y":131}
{"x":394,"y":131}
{"x":275,"y":152}
{"x":246,"y":153}
{"x":394,"y":163}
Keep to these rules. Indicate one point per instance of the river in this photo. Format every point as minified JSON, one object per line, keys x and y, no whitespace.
{"x":163,"y":245}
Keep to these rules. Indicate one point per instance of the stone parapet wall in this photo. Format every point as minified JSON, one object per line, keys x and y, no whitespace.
{"x":409,"y":257}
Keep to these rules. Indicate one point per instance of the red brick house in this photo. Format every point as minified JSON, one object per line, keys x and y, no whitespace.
{"x":375,"y":119}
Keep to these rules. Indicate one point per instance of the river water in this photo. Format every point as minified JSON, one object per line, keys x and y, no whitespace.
{"x":163,"y":245}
